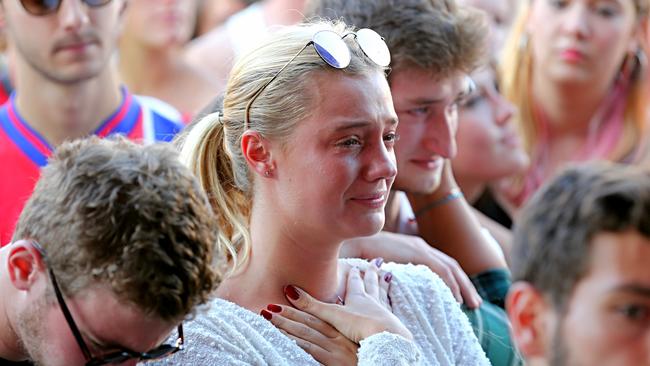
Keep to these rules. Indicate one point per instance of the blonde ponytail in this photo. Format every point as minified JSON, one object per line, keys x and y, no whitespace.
{"x":205,"y":153}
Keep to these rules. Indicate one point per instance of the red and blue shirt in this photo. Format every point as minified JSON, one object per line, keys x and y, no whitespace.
{"x":23,"y":151}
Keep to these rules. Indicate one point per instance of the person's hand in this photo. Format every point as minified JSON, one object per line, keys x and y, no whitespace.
{"x":322,"y":341}
{"x":365,"y":310}
{"x":400,"y":248}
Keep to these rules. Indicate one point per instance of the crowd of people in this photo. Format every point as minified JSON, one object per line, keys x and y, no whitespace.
{"x":305,"y":182}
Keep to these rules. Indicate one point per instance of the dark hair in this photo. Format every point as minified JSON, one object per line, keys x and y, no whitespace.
{"x":552,"y":238}
{"x":127,"y":216}
{"x":435,"y":35}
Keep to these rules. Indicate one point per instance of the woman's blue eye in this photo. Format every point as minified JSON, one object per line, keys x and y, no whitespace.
{"x":606,"y":11}
{"x":558,"y":4}
{"x":419,"y":111}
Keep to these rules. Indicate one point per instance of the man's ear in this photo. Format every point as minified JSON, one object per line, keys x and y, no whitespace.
{"x":257,"y":151}
{"x":527,"y":310}
{"x":24,"y":264}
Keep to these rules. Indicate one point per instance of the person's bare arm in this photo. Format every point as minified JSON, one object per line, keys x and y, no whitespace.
{"x":501,"y":234}
{"x":451,"y":226}
{"x":401,"y":248}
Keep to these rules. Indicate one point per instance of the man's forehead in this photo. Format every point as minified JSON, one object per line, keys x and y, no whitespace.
{"x":428,"y":85}
{"x":619,"y":257}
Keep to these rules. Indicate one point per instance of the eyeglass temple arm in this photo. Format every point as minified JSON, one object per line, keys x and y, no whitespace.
{"x":62,"y":304}
{"x":69,"y":319}
{"x":260,"y":90}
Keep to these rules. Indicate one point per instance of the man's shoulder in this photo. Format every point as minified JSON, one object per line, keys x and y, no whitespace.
{"x":162,"y":121}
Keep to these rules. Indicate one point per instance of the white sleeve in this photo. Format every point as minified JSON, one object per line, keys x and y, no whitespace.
{"x":229,"y":335}
{"x":427,"y":307}
{"x":388,"y":349}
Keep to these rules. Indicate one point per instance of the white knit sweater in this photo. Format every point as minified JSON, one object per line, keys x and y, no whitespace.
{"x":228,"y":334}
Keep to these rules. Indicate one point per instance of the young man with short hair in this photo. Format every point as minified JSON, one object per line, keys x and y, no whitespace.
{"x":111,"y":253}
{"x":66,"y":88}
{"x":434,"y":46}
{"x":581,"y":250}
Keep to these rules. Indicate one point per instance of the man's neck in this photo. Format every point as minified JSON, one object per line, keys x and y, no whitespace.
{"x":303,"y":259}
{"x":391,"y":212}
{"x":62,"y":112}
{"x":9,"y":345}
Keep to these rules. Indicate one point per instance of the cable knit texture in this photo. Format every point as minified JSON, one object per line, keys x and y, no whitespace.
{"x":228,"y":334}
{"x":400,"y":352}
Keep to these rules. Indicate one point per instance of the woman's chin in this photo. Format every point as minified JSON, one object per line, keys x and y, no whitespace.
{"x":368,"y":226}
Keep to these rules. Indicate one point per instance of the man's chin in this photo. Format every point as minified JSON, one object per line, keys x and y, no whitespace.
{"x":421,"y":186}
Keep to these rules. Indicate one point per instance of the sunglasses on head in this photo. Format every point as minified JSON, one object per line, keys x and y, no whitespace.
{"x":331,"y":47}
{"x":44,"y":7}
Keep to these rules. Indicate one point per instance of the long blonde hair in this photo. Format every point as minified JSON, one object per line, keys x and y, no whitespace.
{"x":515,"y":80}
{"x":212,"y":149}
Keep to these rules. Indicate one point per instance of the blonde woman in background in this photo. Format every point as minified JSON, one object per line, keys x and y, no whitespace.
{"x":575,"y":69}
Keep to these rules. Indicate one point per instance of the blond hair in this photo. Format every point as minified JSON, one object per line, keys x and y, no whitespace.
{"x":212,"y":149}
{"x":515,"y":73}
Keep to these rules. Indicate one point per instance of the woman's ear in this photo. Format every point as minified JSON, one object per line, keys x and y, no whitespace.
{"x":24,"y":264}
{"x":528,"y":311}
{"x":257,"y":152}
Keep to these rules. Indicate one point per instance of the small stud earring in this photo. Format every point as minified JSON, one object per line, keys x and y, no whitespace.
{"x":267,"y":173}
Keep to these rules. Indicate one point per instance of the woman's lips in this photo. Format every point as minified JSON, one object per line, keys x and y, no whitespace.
{"x":372,"y":200}
{"x":510,"y":139}
{"x":572,"y":55}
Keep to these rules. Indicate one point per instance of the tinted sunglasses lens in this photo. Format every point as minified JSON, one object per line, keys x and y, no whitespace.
{"x":373,"y":46}
{"x":160,"y":352}
{"x":332,"y":49}
{"x":40,"y":7}
{"x":113,"y":358}
{"x":96,"y":3}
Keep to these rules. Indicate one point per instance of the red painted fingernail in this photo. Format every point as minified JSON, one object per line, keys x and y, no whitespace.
{"x":266,"y":314}
{"x":274,"y":308}
{"x":388,"y":277}
{"x":291,"y":292}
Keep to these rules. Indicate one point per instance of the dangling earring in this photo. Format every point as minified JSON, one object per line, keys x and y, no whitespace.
{"x":633,"y":64}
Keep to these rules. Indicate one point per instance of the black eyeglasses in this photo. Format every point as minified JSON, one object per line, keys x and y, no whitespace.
{"x":44,"y":7}
{"x":331,"y":47}
{"x":120,"y":356}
